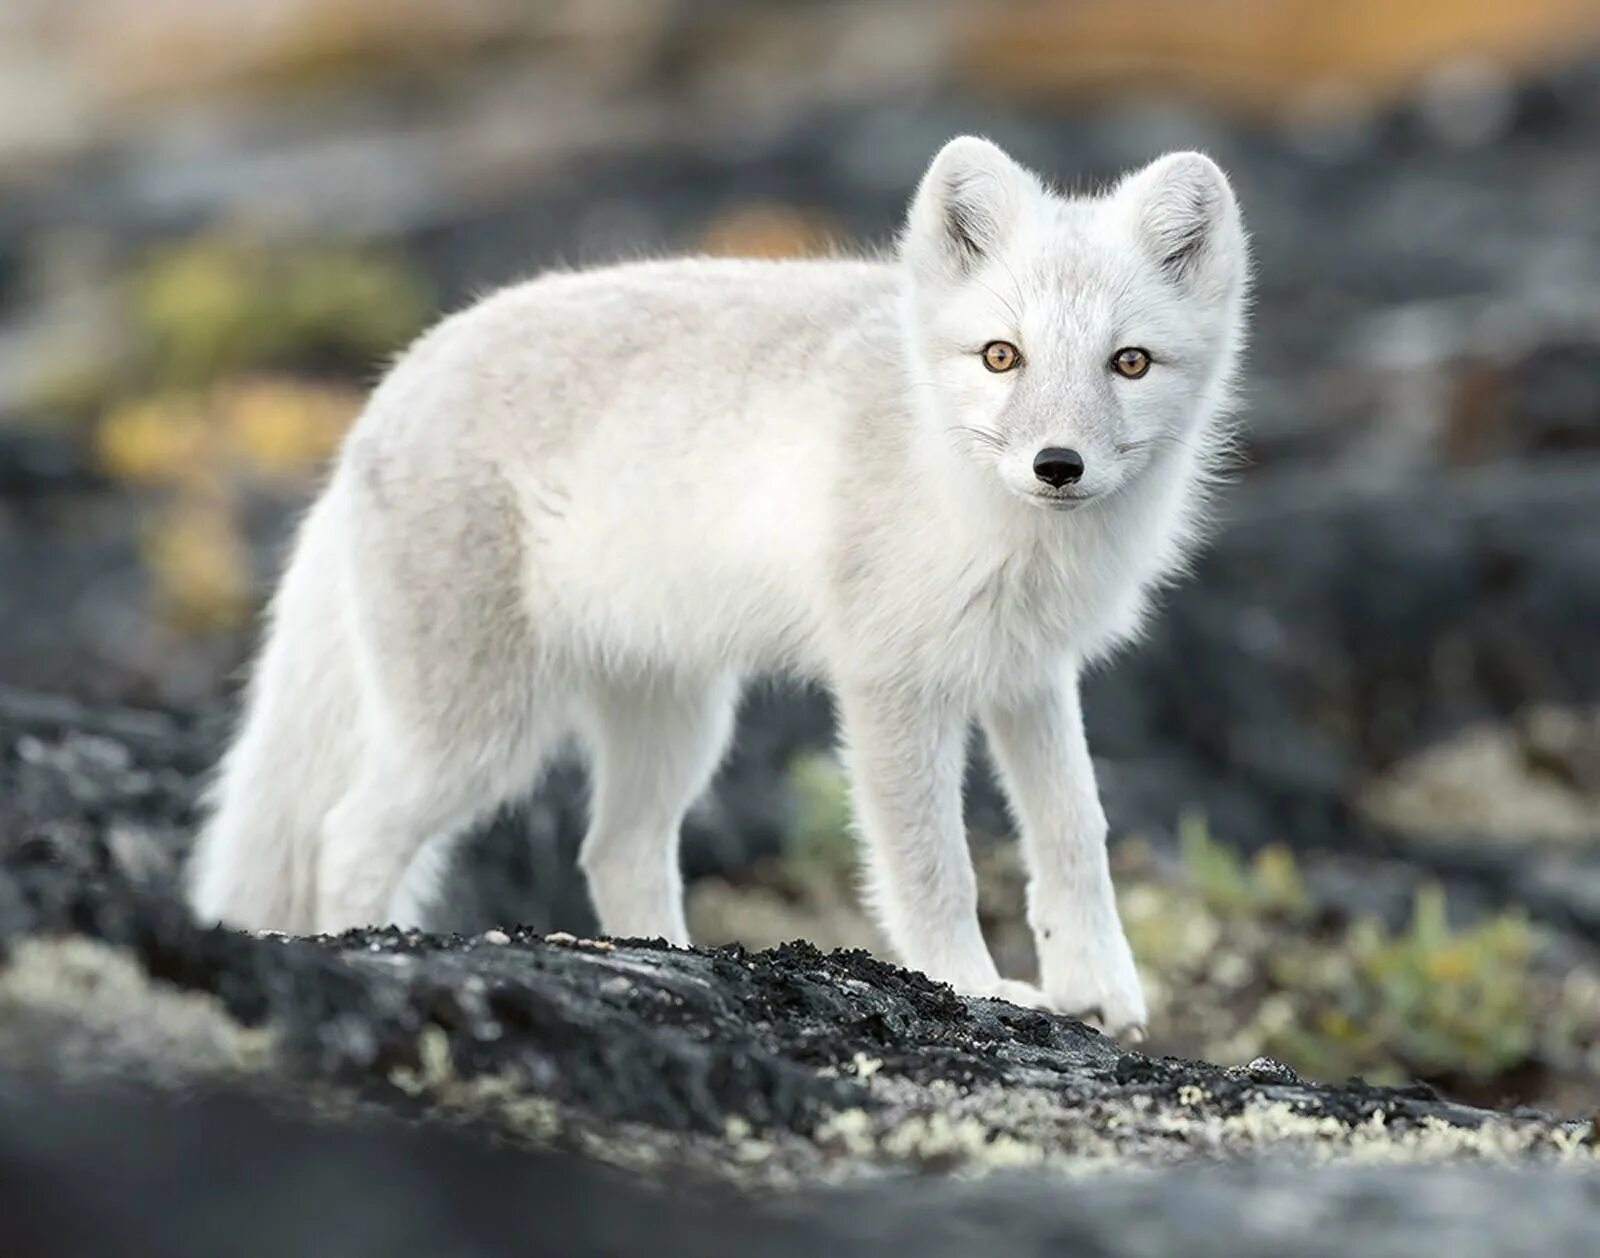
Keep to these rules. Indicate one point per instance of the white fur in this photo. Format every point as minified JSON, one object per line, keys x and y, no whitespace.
{"x":597,"y":502}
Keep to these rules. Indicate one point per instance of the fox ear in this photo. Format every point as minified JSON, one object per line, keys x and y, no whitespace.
{"x":1185,"y":214}
{"x":966,"y":207}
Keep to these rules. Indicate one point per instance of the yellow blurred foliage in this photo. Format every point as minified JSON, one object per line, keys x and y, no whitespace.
{"x":1257,"y":55}
{"x":283,"y":428}
{"x":274,"y":428}
{"x":201,"y":448}
{"x":1450,"y":965}
{"x":768,"y":229}
{"x":155,"y":440}
{"x":200,"y":563}
{"x":208,"y":411}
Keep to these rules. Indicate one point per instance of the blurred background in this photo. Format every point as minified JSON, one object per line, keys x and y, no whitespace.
{"x":1354,"y":772}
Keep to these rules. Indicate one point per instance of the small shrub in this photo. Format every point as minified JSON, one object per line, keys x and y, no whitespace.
{"x":1237,"y":966}
{"x":1269,"y":884}
{"x":1427,"y":1001}
{"x":203,"y":402}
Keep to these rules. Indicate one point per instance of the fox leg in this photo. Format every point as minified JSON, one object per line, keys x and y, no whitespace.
{"x":1086,"y":966}
{"x":654,"y":747}
{"x":906,"y":759}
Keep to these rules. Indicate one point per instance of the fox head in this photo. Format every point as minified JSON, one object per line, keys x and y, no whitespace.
{"x":1064,"y":344}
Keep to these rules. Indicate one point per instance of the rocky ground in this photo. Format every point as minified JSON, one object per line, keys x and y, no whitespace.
{"x":838,"y":1095}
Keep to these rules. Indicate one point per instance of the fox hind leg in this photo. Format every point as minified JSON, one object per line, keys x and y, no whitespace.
{"x":455,"y":707}
{"x":374,"y":834}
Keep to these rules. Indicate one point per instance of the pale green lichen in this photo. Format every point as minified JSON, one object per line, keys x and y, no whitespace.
{"x":85,"y":1010}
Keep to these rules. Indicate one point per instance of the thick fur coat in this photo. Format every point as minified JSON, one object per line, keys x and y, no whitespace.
{"x":597,"y":502}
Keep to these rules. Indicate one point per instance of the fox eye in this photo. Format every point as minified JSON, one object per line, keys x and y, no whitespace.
{"x":1001,"y":356}
{"x":1131,"y":363}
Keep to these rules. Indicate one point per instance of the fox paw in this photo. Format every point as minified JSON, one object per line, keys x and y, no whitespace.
{"x":1128,"y":1032}
{"x":1105,"y":993}
{"x":1124,"y":1020}
{"x":1023,"y":995}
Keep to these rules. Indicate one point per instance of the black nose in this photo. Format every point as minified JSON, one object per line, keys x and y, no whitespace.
{"x":1057,"y":467}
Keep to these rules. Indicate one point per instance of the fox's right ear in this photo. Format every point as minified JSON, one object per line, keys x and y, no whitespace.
{"x":966,"y":207}
{"x":1186,"y":216}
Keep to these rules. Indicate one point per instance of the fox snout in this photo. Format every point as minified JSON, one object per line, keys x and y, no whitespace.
{"x":1058,"y":466}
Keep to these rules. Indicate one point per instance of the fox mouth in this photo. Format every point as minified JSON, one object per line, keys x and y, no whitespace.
{"x":1061,"y":502}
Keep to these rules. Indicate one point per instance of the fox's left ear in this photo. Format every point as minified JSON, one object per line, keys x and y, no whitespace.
{"x":967,"y":207}
{"x":1185,"y":214}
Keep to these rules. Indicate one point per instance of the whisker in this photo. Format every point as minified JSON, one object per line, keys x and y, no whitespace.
{"x":1011,"y":307}
{"x":1015,"y":283}
{"x":979,"y":437}
{"x":1177,"y":441}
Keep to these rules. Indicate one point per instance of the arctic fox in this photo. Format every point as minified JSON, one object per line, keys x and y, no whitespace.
{"x":594,"y":503}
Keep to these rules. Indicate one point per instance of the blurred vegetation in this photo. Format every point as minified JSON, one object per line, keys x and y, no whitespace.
{"x":242,"y":366}
{"x":821,"y":842}
{"x":1428,"y":1001}
{"x":1260,"y":57}
{"x":1240,"y":957}
{"x":811,"y":890}
{"x":1269,"y":884}
{"x":770,"y":229}
{"x":207,"y":307}
{"x":1241,"y":963}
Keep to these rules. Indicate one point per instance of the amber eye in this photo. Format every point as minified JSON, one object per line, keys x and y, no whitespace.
{"x":1131,"y":363}
{"x":1001,"y":356}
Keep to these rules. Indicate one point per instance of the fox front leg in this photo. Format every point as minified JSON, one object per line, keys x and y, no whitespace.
{"x":906,"y":759}
{"x":1085,"y":964}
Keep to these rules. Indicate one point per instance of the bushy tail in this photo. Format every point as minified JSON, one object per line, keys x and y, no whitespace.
{"x":254,"y":864}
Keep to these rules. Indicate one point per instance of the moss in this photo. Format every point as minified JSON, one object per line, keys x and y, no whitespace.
{"x":85,"y":1010}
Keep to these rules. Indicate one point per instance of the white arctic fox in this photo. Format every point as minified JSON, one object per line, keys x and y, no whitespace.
{"x":595,"y":503}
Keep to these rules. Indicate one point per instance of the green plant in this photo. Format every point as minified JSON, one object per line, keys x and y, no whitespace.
{"x":1430,"y":1000}
{"x":214,"y":305}
{"x":1239,"y":965}
{"x":204,"y":400}
{"x":1268,"y":884}
{"x":820,"y":842}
